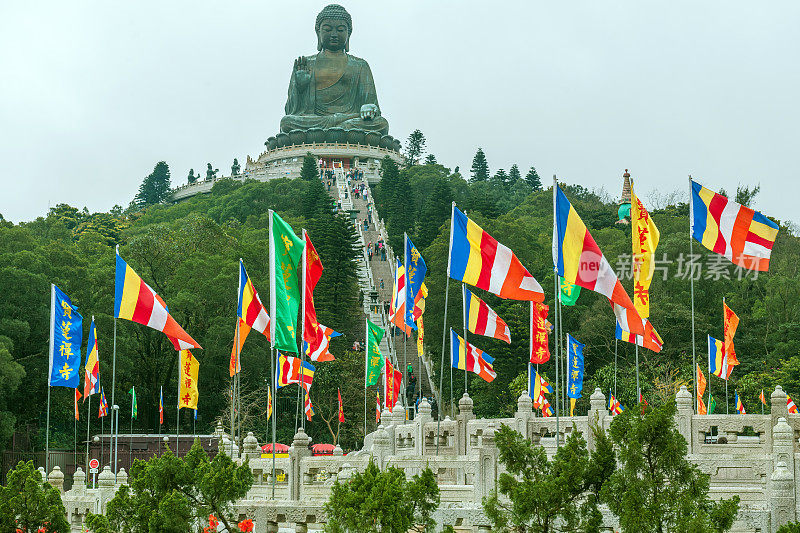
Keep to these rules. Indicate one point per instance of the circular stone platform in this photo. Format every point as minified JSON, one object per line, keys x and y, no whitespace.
{"x":285,"y":162}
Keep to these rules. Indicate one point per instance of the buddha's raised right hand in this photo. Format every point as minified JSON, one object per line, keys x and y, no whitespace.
{"x":301,"y":71}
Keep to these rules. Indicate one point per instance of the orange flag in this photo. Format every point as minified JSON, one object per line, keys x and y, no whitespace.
{"x":730,"y":323}
{"x":235,"y":365}
{"x":762,"y":398}
{"x":701,"y":388}
{"x":77,"y":397}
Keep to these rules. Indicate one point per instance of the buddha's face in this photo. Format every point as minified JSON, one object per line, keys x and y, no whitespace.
{"x":333,"y":35}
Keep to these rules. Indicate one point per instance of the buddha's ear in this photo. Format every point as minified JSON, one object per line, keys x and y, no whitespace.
{"x":347,"y":44}
{"x":319,"y":43}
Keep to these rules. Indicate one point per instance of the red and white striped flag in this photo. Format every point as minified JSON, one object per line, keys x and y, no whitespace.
{"x":482,"y":320}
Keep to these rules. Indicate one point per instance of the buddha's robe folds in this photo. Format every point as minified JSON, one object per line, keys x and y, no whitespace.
{"x":333,"y":98}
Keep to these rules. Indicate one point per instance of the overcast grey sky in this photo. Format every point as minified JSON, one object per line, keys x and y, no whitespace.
{"x":94,"y":93}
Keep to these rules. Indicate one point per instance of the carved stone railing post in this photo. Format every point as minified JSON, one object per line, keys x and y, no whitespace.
{"x":382,"y":446}
{"x":465,"y":414}
{"x":250,"y":447}
{"x":486,"y":473}
{"x":778,"y":403}
{"x":524,"y":413}
{"x":56,"y":478}
{"x":597,"y":414}
{"x":298,"y":451}
{"x":79,"y":482}
{"x":422,"y":418}
{"x":683,"y":418}
{"x":781,"y":483}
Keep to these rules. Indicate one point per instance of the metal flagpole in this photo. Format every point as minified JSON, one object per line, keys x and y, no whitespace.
{"x":405,"y":325}
{"x":75,"y":436}
{"x":691,"y":284}
{"x":160,"y":410}
{"x":116,"y":440}
{"x":616,"y":343}
{"x":464,"y":319}
{"x":88,"y":422}
{"x":130,"y":441}
{"x":233,"y":378}
{"x":564,"y":361}
{"x":274,"y":413}
{"x":558,"y":312}
{"x":725,"y":356}
{"x":636,"y":349}
{"x":178,"y":416}
{"x":239,"y":408}
{"x":530,"y":351}
{"x":113,"y":383}
{"x":441,"y":367}
{"x":303,"y":268}
{"x":102,"y":440}
{"x":51,"y":347}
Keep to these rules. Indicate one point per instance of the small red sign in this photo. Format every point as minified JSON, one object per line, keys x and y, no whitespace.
{"x":94,"y":463}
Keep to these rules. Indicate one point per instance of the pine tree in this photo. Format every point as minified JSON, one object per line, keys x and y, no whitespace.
{"x":155,"y":187}
{"x":310,"y":169}
{"x":431,"y":160}
{"x":513,"y":175}
{"x":532,"y":177}
{"x":435,"y":212}
{"x":501,"y":178}
{"x":28,"y":504}
{"x":480,"y":168}
{"x":414,"y":147}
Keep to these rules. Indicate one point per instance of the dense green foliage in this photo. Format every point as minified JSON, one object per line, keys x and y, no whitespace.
{"x":188,"y":252}
{"x":170,"y":494}
{"x":791,"y":527}
{"x":537,"y":493}
{"x":415,"y":146}
{"x":378,"y":500}
{"x":155,"y":188}
{"x":656,"y":488}
{"x":417,"y":200}
{"x":27,"y":503}
{"x":309,"y":171}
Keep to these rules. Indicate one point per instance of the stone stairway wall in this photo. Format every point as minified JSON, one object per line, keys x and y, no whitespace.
{"x":375,"y":279}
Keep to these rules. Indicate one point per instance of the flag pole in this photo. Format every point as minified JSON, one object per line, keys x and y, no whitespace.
{"x":408,"y":312}
{"x":691,"y":284}
{"x":616,"y":343}
{"x":558,"y":311}
{"x":274,"y":412}
{"x":233,"y":380}
{"x":444,"y":332}
{"x":160,"y":410}
{"x":530,"y":351}
{"x":725,"y":356}
{"x":113,"y":383}
{"x":303,"y":268}
{"x":49,"y":378}
{"x":88,"y":422}
{"x":272,"y":308}
{"x":636,"y":349}
{"x":75,"y":437}
{"x":366,"y":369}
{"x":464,"y":319}
{"x":178,"y":417}
{"x":130,"y":441}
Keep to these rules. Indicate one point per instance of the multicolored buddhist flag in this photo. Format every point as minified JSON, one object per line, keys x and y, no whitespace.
{"x":477,"y":259}
{"x":415,"y":271}
{"x":790,"y":406}
{"x":739,"y":404}
{"x":375,"y":359}
{"x":540,"y":329}
{"x":574,"y":367}
{"x":294,"y":370}
{"x":136,"y":301}
{"x":189,"y":371}
{"x":717,"y":362}
{"x":579,"y":260}
{"x":307,"y":407}
{"x":66,"y":333}
{"x":377,"y":407}
{"x":77,"y":397}
{"x":341,"y":406}
{"x":285,"y":255}
{"x":103,"y":411}
{"x":762,"y":398}
{"x":547,"y":411}
{"x":482,"y":320}
{"x":465,"y":356}
{"x":134,"y":407}
{"x":613,"y":405}
{"x":569,"y":292}
{"x":739,"y":233}
{"x":419,"y":301}
{"x":312,"y":269}
{"x":91,"y":382}
{"x":319,"y":352}
{"x":161,"y":406}
{"x":650,"y":340}
{"x":250,"y":308}
{"x":729,"y":324}
{"x":645,"y":236}
{"x":537,"y":388}
{"x":397,"y":308}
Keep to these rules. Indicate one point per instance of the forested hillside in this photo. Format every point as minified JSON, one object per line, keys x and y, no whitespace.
{"x":188,"y":253}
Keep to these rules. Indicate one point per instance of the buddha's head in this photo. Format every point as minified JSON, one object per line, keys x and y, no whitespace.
{"x":334,"y":26}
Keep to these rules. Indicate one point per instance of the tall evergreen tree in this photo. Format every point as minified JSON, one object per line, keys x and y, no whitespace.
{"x":514,"y":175}
{"x":155,"y":187}
{"x":434,"y":213}
{"x":501,"y":178}
{"x":414,"y":147}
{"x":430,"y":159}
{"x":480,"y":167}
{"x":310,"y":169}
{"x":532,"y":177}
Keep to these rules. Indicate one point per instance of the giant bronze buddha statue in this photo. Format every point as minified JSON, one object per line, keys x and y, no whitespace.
{"x":333,"y":88}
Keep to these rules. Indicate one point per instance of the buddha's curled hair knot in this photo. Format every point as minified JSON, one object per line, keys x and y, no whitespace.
{"x":334,"y":12}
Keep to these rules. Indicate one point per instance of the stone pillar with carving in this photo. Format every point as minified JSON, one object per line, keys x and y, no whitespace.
{"x":777,"y":402}
{"x":486,"y":478}
{"x":596,"y":415}
{"x":297,"y":452}
{"x":781,"y":483}
{"x":524,"y":413}
{"x":465,"y":414}
{"x":78,"y":482}
{"x":382,"y":446}
{"x":56,"y":479}
{"x":683,"y":418}
{"x":250,"y":447}
{"x":422,"y":418}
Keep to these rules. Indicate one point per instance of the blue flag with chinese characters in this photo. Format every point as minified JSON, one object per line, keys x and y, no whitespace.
{"x":574,"y":368}
{"x":415,"y":275}
{"x":66,"y":334}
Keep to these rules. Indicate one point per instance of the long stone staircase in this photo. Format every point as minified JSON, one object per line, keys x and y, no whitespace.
{"x":375,"y":279}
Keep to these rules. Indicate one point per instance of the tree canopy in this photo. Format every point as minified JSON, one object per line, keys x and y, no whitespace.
{"x":29,"y":505}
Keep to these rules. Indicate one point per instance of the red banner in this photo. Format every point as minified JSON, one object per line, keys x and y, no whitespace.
{"x":313,"y":273}
{"x":394,"y":380}
{"x":540,"y":350}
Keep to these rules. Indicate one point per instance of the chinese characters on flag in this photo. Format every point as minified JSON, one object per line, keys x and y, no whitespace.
{"x":189,"y":369}
{"x":644,"y":237}
{"x":540,"y":352}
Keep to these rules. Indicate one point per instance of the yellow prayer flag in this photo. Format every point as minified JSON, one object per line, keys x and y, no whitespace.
{"x":644,"y":236}
{"x":420,"y":337}
{"x":189,"y":370}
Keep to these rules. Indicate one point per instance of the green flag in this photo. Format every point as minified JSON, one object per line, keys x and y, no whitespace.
{"x":712,"y":403}
{"x":375,"y":360}
{"x":134,"y":409}
{"x":569,"y":292}
{"x":285,"y":254}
